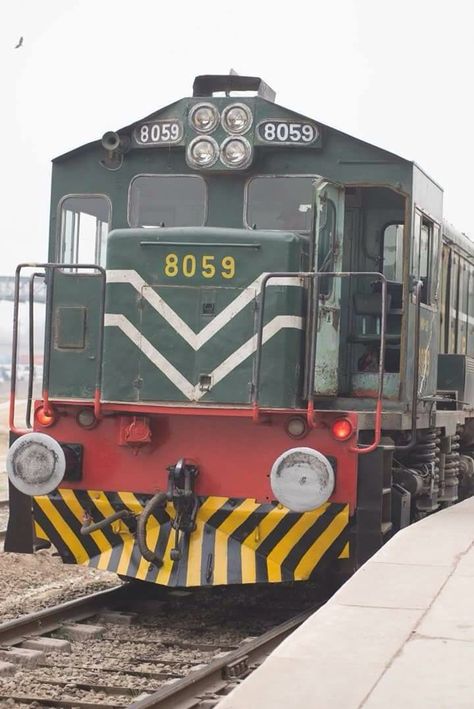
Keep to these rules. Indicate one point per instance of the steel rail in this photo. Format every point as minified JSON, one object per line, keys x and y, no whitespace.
{"x":49,"y":619}
{"x":190,"y":691}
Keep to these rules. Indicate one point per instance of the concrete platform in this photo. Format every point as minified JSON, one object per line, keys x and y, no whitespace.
{"x":399,"y":633}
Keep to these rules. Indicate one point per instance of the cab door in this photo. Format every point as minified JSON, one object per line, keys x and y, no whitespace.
{"x":328,"y":239}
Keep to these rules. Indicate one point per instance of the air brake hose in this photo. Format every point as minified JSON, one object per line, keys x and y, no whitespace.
{"x":88,"y":529}
{"x":158,"y":500}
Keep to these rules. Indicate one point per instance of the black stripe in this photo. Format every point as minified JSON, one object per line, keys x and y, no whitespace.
{"x":294,"y":556}
{"x":73,"y":523}
{"x":53,"y":534}
{"x":331,"y":554}
{"x":208,"y":541}
{"x":113,"y":539}
{"x":234,"y":556}
{"x":134,"y":561}
{"x":282,"y":528}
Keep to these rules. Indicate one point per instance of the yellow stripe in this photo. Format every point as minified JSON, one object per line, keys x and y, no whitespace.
{"x":164,"y":572}
{"x":39,"y":532}
{"x":127,"y":548}
{"x":129,"y":499}
{"x":207,"y":509}
{"x":345,"y":553}
{"x":321,"y":545}
{"x":250,"y":545}
{"x":101,"y":501}
{"x":63,"y":529}
{"x":285,"y":545}
{"x":223,"y":532}
{"x":99,"y":537}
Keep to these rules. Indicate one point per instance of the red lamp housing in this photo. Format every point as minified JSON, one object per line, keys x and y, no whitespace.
{"x":342,"y":429}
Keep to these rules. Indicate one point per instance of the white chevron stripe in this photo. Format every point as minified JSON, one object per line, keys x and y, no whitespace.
{"x":195,"y":340}
{"x":248,"y":348}
{"x":194,"y":393}
{"x":151,"y":352}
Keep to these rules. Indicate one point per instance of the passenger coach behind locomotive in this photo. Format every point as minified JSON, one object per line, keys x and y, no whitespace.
{"x":244,"y":388}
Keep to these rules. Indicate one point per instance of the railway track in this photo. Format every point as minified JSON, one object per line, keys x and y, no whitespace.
{"x":131,"y":648}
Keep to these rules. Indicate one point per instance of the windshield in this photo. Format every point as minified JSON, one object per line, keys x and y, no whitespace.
{"x":167,"y":200}
{"x":282,"y":203}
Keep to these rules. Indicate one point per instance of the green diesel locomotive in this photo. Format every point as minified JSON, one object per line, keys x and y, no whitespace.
{"x":254,"y":367}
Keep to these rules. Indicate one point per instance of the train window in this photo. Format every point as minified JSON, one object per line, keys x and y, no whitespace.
{"x":393,"y":252}
{"x":326,"y":252}
{"x":167,"y":200}
{"x":435,"y":263}
{"x":423,"y":243}
{"x":85,"y":221}
{"x":280,"y":203}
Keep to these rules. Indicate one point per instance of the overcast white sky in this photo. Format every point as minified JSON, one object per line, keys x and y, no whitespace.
{"x":398,"y":74}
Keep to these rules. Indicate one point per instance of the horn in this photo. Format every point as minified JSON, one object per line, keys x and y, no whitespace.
{"x":110,"y":141}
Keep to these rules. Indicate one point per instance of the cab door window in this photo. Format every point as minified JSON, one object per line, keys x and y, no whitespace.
{"x":84,"y":226}
{"x":392,"y":252}
{"x":422,"y":255}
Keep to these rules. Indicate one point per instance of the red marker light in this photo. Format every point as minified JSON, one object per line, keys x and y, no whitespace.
{"x":342,"y":429}
{"x":45,"y":418}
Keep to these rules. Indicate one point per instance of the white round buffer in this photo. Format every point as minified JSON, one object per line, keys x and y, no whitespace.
{"x":35,"y":464}
{"x":302,"y":479}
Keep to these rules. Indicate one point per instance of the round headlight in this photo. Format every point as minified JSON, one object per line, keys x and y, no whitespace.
{"x":237,"y":118}
{"x":35,"y":464}
{"x":202,"y":152}
{"x":204,"y":117}
{"x":236,"y":152}
{"x":302,"y":479}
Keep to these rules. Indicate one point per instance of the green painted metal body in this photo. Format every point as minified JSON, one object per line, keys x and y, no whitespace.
{"x":380,"y":188}
{"x":203,"y":327}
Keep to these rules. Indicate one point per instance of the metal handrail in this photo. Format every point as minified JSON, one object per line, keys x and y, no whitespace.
{"x":49,"y":269}
{"x":312,"y":327}
{"x":31,"y":346}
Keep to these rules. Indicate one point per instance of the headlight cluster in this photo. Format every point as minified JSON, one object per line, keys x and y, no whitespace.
{"x":235,"y":151}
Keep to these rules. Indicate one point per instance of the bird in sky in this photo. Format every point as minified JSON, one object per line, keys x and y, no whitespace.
{"x":20,"y":43}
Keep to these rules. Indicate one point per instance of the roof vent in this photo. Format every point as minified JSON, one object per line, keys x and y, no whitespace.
{"x":208,"y":84}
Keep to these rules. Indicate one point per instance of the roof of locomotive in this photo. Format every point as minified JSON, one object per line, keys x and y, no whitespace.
{"x":202,"y":90}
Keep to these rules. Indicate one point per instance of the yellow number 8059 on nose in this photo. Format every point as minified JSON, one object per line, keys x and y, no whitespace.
{"x":207,"y":266}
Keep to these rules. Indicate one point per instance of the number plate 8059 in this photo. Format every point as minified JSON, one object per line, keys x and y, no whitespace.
{"x":158,"y":133}
{"x":288,"y":133}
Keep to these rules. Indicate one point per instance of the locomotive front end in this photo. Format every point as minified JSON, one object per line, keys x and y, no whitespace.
{"x":184,"y":352}
{"x":248,"y":494}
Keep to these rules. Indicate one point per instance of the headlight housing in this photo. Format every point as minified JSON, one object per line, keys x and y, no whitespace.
{"x":36,"y":464}
{"x":302,"y":479}
{"x":204,"y":117}
{"x":202,"y":152}
{"x":236,"y":152}
{"x":237,"y":118}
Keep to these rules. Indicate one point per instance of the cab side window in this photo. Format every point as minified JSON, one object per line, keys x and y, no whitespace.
{"x":424,"y":243}
{"x":84,"y":226}
{"x":392,"y":252}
